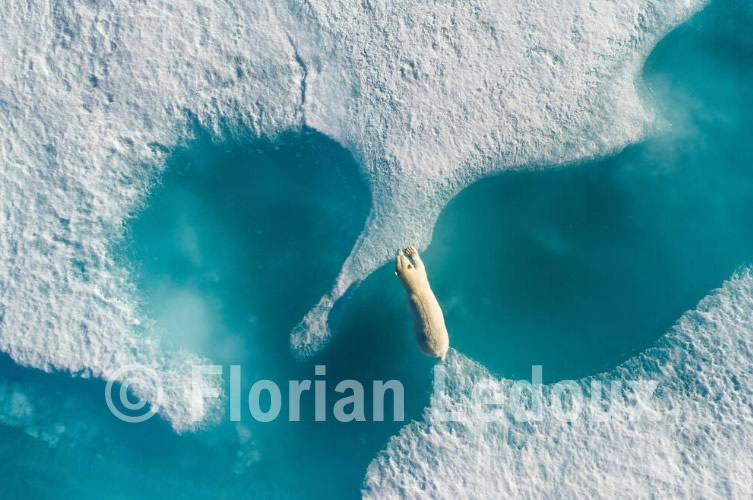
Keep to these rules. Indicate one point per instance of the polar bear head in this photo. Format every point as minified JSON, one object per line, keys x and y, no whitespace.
{"x":410,"y":269}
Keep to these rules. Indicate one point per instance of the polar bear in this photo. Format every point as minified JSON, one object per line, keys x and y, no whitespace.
{"x":429,"y":329}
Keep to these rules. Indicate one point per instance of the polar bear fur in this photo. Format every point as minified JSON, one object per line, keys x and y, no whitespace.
{"x":429,"y":328}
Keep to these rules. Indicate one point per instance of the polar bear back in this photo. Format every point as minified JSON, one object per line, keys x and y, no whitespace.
{"x":429,"y":327}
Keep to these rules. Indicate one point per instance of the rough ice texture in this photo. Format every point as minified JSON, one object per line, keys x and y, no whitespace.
{"x":429,"y":96}
{"x":700,"y":447}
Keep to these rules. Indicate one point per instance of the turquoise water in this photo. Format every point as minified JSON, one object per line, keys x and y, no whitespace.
{"x":581,"y":268}
{"x":575,"y":269}
{"x":229,"y":263}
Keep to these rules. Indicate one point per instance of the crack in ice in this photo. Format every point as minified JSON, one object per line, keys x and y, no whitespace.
{"x":304,"y":70}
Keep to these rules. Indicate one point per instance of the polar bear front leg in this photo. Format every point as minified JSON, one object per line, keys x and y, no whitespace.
{"x":402,"y":263}
{"x":413,"y":254}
